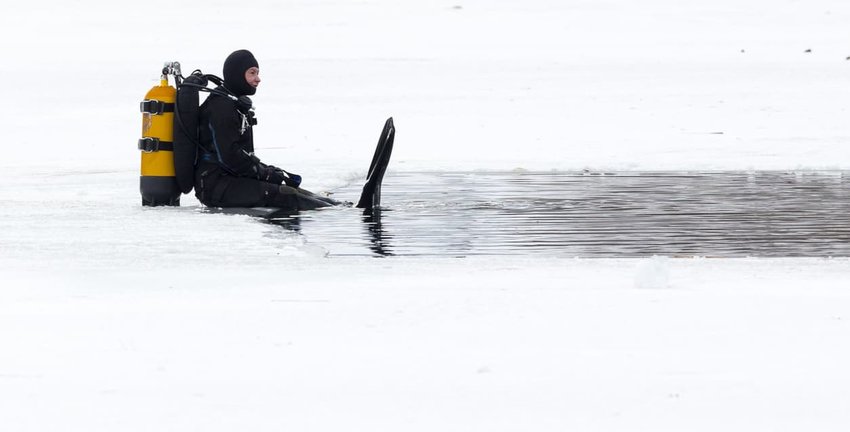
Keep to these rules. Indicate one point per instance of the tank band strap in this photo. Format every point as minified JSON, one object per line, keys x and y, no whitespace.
{"x":149,"y":144}
{"x":155,"y":107}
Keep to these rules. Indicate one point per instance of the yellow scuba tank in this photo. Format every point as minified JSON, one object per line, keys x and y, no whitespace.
{"x":158,"y":184}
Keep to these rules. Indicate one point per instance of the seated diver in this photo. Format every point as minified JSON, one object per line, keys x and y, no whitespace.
{"x":228,"y":174}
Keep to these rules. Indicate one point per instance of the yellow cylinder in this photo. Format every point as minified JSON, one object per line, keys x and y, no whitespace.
{"x":158,"y":184}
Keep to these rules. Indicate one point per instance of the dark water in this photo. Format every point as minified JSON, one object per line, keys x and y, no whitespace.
{"x":714,"y":214}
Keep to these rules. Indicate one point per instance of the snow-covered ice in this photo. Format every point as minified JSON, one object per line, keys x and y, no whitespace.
{"x":118,"y":317}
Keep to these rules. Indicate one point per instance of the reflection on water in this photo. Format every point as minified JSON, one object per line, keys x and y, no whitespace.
{"x":379,"y":239}
{"x":723,"y":214}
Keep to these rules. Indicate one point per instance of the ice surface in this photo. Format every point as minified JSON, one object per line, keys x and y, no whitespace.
{"x":118,"y":317}
{"x":653,"y":273}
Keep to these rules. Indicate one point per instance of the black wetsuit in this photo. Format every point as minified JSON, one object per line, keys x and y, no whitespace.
{"x":229,"y":175}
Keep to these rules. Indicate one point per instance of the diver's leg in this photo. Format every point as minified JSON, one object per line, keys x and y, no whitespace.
{"x":328,"y":200}
{"x":286,"y":197}
{"x":229,"y":191}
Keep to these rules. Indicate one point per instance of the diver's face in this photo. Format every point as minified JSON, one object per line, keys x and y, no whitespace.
{"x":252,"y":76}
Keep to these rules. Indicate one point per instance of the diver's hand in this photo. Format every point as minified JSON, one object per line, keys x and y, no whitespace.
{"x":291,"y":179}
{"x":277,"y":176}
{"x":273,"y":174}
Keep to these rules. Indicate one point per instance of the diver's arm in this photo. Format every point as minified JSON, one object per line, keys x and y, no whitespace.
{"x":224,"y":127}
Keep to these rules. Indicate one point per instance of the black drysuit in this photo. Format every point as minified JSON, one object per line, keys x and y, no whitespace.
{"x":229,"y":175}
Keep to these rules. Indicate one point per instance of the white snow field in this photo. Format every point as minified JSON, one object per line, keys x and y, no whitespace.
{"x":118,"y":317}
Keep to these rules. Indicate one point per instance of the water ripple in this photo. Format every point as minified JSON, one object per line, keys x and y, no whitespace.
{"x":716,"y":214}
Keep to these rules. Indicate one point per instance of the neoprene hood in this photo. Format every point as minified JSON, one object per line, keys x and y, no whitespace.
{"x":234,"y":72}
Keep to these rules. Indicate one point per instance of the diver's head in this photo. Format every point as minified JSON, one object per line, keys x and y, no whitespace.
{"x":241,"y":73}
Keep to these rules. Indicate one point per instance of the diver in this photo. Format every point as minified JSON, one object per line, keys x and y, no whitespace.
{"x":228,"y":174}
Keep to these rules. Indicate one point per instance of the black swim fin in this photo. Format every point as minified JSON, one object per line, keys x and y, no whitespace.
{"x":371,"y":195}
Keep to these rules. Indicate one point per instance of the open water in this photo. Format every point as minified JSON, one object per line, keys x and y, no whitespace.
{"x":711,"y":214}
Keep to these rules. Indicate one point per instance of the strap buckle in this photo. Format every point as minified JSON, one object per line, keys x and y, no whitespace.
{"x":155,"y":107}
{"x":149,"y":145}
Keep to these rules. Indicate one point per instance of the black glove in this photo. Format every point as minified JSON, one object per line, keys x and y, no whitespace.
{"x":291,"y":179}
{"x":272,"y":174}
